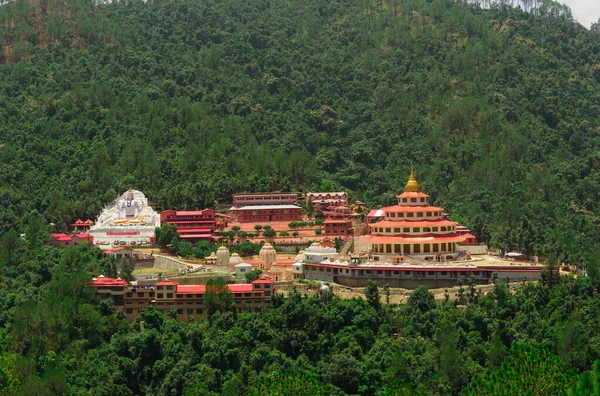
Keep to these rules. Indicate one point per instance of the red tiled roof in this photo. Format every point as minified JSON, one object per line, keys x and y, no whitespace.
{"x":376,"y":213}
{"x":117,"y":249}
{"x":106,"y":281}
{"x":263,"y":279}
{"x":166,"y":282}
{"x":58,"y":235}
{"x":199,"y":221}
{"x":195,"y":230}
{"x":84,"y":236}
{"x":427,"y":238}
{"x":416,"y":208}
{"x":201,"y":289}
{"x":416,"y":223}
{"x":64,"y":239}
{"x":412,"y":194}
{"x":469,"y":236}
{"x":191,"y":236}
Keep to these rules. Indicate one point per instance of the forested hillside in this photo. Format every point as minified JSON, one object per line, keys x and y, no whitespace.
{"x":191,"y":101}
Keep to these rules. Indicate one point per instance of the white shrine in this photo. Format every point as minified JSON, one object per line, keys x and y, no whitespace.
{"x":128,"y":220}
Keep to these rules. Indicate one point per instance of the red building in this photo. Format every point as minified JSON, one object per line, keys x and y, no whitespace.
{"x":266,"y":213}
{"x":188,"y":300}
{"x":192,"y":225}
{"x":323,"y":201}
{"x":338,"y":227}
{"x":413,"y":228}
{"x":82,"y":224}
{"x":64,"y":240}
{"x":262,"y":199}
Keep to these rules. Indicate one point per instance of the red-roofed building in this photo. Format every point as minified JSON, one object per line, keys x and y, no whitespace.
{"x":324,"y":201}
{"x":413,"y":228}
{"x":188,"y":300}
{"x":192,"y":225}
{"x":470,"y":239}
{"x":64,"y":240}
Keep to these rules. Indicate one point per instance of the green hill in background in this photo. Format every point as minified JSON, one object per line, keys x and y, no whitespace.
{"x":191,"y":101}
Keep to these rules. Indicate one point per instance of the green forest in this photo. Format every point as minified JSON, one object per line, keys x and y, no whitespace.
{"x":56,"y":337}
{"x":190,"y":101}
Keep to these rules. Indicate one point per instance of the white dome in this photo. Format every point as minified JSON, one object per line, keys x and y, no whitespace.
{"x":222,"y":256}
{"x":267,"y":255}
{"x":243,"y":265}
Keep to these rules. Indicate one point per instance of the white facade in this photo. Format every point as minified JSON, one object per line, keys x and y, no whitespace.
{"x":127,"y":220}
{"x":242,"y":269}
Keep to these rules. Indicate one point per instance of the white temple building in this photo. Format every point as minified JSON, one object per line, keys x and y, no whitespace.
{"x":128,"y":220}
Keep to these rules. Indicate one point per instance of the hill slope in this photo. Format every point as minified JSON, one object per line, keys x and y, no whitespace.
{"x":193,"y":100}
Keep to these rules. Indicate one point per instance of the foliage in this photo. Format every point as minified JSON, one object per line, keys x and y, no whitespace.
{"x":218,"y":296}
{"x":253,"y":275}
{"x":165,"y":234}
{"x":527,"y":370}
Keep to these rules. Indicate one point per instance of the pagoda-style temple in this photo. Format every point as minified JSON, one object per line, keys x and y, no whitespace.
{"x":413,"y":228}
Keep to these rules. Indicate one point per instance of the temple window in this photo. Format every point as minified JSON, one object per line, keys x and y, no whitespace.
{"x":422,"y":199}
{"x":420,"y":214}
{"x":436,"y":247}
{"x":404,"y":200}
{"x":410,"y":215}
{"x":426,"y":229}
{"x":400,"y":214}
{"x":406,"y":229}
{"x":428,"y":214}
{"x":417,"y":248}
{"x":417,"y":229}
{"x":435,"y":229}
{"x":388,"y":230}
{"x":413,"y":200}
{"x":443,"y":228}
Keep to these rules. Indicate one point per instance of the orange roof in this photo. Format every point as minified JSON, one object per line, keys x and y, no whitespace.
{"x":263,"y":279}
{"x":413,"y":194}
{"x":108,"y":282}
{"x":469,"y":236}
{"x":166,"y":282}
{"x":427,"y":238}
{"x":201,"y":289}
{"x":401,"y":209}
{"x":416,"y":223}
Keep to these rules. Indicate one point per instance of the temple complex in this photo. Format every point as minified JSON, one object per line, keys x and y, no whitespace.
{"x":265,"y":207}
{"x":128,"y":220}
{"x":188,"y":300}
{"x":413,"y":228}
{"x":192,"y":225}
{"x":323,"y":201}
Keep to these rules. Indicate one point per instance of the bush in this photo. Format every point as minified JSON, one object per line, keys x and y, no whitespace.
{"x":284,"y":233}
{"x":318,"y":231}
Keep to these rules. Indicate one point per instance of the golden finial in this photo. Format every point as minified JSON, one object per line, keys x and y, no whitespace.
{"x":412,"y":185}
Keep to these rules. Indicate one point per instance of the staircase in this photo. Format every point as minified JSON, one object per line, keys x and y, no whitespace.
{"x":347,"y":246}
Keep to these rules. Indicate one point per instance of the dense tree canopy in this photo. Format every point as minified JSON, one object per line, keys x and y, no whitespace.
{"x":193,"y":100}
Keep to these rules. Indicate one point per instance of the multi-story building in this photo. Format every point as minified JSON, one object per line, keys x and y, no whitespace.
{"x":266,"y":207}
{"x":262,"y":199}
{"x":64,"y":240}
{"x":358,"y":270}
{"x":192,"y":225}
{"x":413,"y":228}
{"x":188,"y":300}
{"x":323,"y":201}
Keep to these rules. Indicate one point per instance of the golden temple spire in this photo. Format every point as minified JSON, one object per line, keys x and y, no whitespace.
{"x":412,"y":185}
